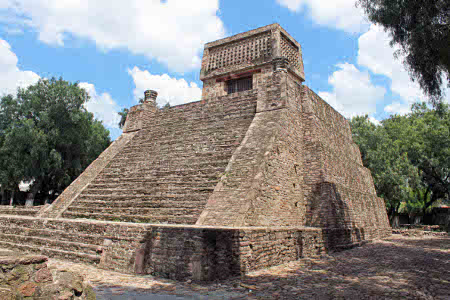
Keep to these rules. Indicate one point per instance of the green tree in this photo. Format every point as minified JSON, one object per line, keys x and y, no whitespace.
{"x":422,"y":30}
{"x":394,"y":175}
{"x":408,"y":157}
{"x":48,"y":136}
{"x":123,"y":117}
{"x":428,"y":146}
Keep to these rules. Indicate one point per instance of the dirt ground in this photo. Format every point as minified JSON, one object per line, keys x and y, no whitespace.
{"x":400,"y":267}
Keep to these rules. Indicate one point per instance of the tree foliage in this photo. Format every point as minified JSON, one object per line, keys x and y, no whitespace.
{"x":422,"y":30}
{"x":47,"y":136}
{"x":123,"y":117}
{"x":408,"y":156}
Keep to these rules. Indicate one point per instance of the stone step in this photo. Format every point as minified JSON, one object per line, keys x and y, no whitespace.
{"x":62,"y":235}
{"x":51,"y":252}
{"x":224,"y":151}
{"x":201,"y":179}
{"x":189,"y":127}
{"x":181,"y":160}
{"x":166,"y":211}
{"x":213,"y":126}
{"x":173,"y":168}
{"x":173,"y":148}
{"x":145,"y":183}
{"x":68,"y":230}
{"x":144,"y":202}
{"x":146,"y":198}
{"x":151,"y":190}
{"x":164,"y":172}
{"x":230,"y":115}
{"x":54,"y":242}
{"x":239,"y":108}
{"x":191,"y":134}
{"x":212,"y":110}
{"x":18,"y":212}
{"x":208,"y":171}
{"x":186,"y":219}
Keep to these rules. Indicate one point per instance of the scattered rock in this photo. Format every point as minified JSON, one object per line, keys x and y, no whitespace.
{"x":27,"y":289}
{"x":6,"y":294}
{"x":28,"y":276}
{"x":43,"y":275}
{"x":66,"y":295}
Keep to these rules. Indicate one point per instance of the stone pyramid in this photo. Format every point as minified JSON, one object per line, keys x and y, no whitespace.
{"x":260,"y":171}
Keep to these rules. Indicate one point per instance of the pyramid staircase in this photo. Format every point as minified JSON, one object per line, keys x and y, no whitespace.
{"x":166,"y":173}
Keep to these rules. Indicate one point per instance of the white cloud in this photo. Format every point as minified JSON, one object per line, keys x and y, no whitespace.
{"x":353,"y":92}
{"x":397,"y":108}
{"x":102,"y":106}
{"x":376,"y":54}
{"x":172,"y":90}
{"x":173,"y":32}
{"x":11,"y":76}
{"x":374,"y":121}
{"x":340,"y":14}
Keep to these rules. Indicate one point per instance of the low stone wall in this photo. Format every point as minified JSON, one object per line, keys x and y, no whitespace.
{"x":27,"y":277}
{"x":206,"y":253}
{"x":174,"y":251}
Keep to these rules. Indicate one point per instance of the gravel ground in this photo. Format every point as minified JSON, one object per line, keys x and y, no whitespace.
{"x":400,"y":267}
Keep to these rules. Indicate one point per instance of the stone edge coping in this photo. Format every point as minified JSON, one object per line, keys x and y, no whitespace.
{"x":242,"y":35}
{"x":23,"y":259}
{"x":204,"y":101}
{"x":153,"y":225}
{"x":246,"y":34}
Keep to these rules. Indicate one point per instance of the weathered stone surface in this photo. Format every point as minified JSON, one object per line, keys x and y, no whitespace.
{"x":6,"y":293}
{"x":23,"y":260}
{"x":27,"y":289}
{"x":27,"y":277}
{"x":43,"y":275}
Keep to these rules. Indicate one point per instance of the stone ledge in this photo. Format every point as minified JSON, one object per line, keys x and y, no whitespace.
{"x":23,"y":260}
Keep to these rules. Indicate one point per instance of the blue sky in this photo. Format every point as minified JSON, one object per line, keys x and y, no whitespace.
{"x":117,"y":51}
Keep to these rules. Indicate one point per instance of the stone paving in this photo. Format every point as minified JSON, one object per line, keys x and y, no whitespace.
{"x":400,"y":267}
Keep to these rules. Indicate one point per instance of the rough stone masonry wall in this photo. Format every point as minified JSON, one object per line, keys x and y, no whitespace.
{"x":174,"y":251}
{"x":207,"y":253}
{"x":298,"y":166}
{"x":340,"y":192}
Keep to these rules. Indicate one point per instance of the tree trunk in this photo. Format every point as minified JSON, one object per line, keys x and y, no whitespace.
{"x":30,"y":200}
{"x":3,"y":194}
{"x":395,"y":221}
{"x":11,"y":200}
{"x":394,"y":218}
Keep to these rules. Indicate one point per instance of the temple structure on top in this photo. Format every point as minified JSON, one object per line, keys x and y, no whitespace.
{"x":244,"y":55}
{"x":258,"y":172}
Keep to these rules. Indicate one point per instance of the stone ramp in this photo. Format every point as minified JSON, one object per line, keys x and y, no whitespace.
{"x":167,"y":171}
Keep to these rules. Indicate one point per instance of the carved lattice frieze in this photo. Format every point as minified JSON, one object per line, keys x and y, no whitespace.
{"x":239,"y":52}
{"x":290,"y":51}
